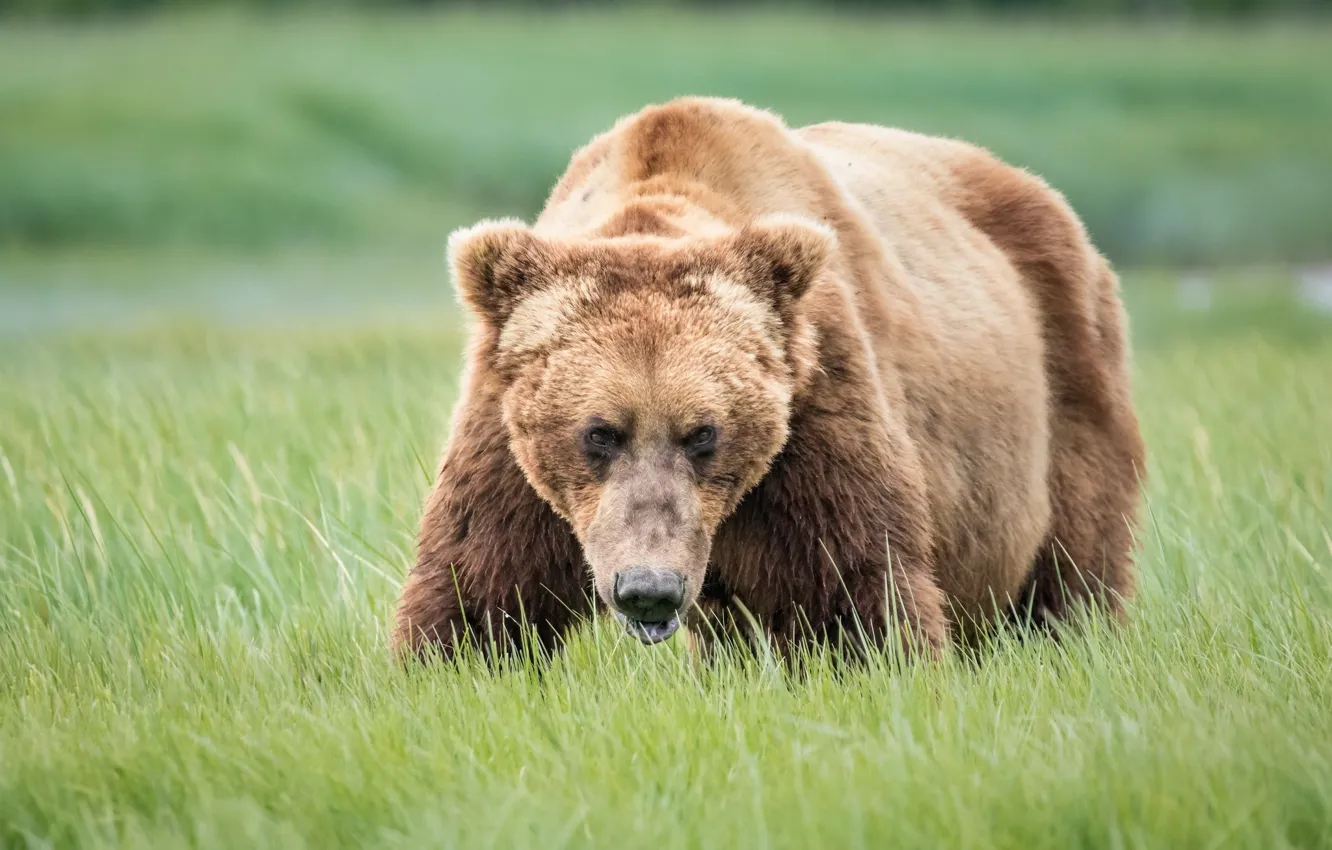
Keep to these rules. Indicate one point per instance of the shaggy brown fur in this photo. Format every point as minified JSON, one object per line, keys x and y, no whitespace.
{"x":908,"y":356}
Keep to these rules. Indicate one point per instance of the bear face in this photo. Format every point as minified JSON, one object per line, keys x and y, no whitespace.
{"x":647,"y":386}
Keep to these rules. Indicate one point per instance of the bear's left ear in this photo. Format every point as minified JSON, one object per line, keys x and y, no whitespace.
{"x":781,"y":255}
{"x":495,"y":264}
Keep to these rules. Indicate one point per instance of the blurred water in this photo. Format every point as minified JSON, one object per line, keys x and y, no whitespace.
{"x":256,"y":299}
{"x":1316,"y":288}
{"x":1195,"y":293}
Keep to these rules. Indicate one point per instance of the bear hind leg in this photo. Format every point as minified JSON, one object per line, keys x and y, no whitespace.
{"x":1096,"y":468}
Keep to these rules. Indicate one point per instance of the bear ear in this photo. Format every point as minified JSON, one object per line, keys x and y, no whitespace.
{"x":495,"y":264}
{"x":781,"y":255}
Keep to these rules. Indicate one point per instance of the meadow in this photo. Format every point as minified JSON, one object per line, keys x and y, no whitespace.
{"x":1203,"y":144}
{"x":227,"y":356}
{"x":205,"y":525}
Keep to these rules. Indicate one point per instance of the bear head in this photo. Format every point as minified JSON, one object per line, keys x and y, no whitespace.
{"x":647,"y":385}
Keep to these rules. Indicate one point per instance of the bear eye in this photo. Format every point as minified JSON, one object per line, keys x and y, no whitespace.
{"x":601,"y":439}
{"x":701,"y":440}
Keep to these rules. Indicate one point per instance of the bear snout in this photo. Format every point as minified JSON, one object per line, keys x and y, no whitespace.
{"x":648,"y":595}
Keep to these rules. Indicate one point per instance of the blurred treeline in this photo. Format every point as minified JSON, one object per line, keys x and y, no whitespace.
{"x":1127,"y":8}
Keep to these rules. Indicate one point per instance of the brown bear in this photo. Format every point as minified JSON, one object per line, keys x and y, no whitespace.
{"x":840,"y":380}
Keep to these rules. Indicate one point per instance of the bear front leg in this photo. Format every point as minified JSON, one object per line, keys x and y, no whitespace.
{"x":494,"y":562}
{"x":835,"y":543}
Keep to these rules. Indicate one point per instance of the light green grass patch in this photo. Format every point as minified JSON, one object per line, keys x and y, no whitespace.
{"x":203,"y":532}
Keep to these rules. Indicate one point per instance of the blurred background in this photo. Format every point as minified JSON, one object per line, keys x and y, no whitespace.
{"x":282,"y":158}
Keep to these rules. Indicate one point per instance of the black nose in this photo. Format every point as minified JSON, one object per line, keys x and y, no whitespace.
{"x":647,"y":595}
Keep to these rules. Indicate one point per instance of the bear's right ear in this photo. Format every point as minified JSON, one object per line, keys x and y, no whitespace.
{"x":782,"y":255}
{"x":495,"y":264}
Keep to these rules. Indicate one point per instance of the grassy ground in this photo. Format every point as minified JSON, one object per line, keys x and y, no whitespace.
{"x":204,"y":525}
{"x":227,"y":356}
{"x":1176,"y":144}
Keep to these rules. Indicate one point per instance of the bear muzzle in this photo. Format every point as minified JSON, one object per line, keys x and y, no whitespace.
{"x":648,"y":602}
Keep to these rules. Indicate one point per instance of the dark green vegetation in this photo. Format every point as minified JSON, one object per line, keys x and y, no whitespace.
{"x":1177,"y":145}
{"x":1209,"y":8}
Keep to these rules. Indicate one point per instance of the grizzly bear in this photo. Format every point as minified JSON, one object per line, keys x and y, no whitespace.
{"x":787,"y":385}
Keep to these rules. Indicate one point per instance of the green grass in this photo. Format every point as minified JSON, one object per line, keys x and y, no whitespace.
{"x":204,"y":525}
{"x":227,"y":357}
{"x":1177,"y":144}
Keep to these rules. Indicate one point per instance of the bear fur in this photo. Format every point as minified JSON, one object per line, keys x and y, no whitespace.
{"x":911,"y":358}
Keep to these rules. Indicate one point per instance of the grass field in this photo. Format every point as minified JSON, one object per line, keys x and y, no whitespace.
{"x":205,"y":524}
{"x":1178,"y":145}
{"x":228,"y":353}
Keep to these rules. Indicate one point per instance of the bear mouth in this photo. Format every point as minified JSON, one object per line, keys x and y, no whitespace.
{"x":649,"y":633}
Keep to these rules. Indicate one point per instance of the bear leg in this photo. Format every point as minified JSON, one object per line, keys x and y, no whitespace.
{"x":495,"y":564}
{"x":835,"y":543}
{"x":1096,"y":464}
